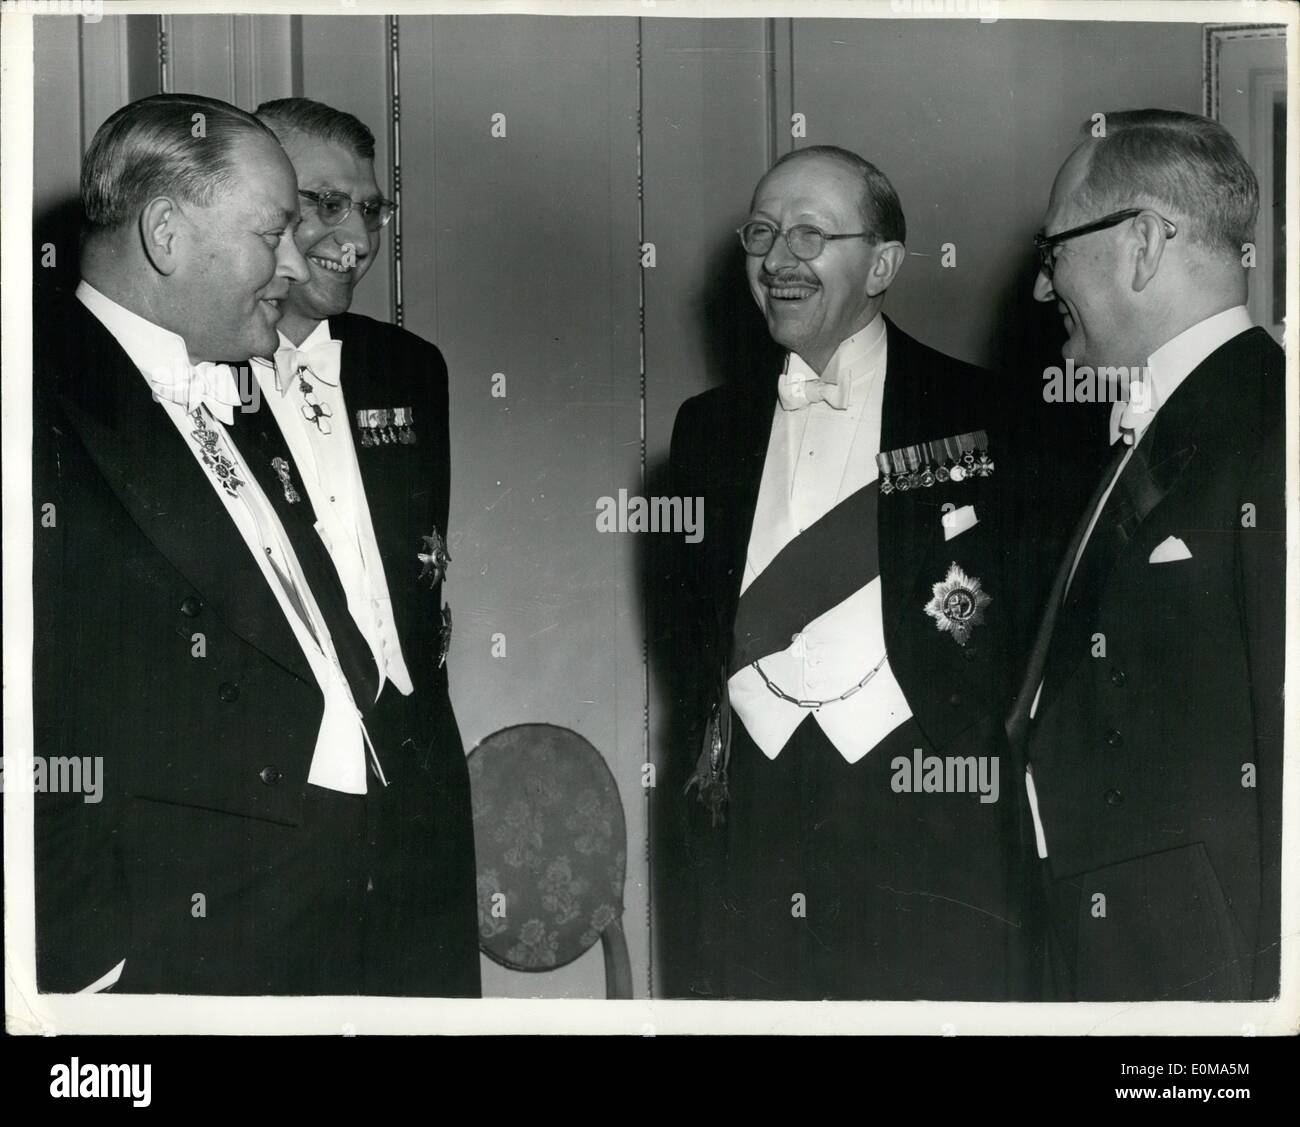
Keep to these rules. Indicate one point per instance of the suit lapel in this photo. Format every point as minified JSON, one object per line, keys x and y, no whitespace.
{"x":905,"y":542}
{"x":743,"y":460}
{"x":1177,"y":438}
{"x":166,"y":492}
{"x":389,"y":488}
{"x":1151,"y":473}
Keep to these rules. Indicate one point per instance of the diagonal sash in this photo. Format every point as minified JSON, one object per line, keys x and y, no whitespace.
{"x":821,"y":567}
{"x":257,"y":437}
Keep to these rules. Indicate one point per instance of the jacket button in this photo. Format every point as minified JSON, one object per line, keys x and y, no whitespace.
{"x":191,"y":605}
{"x":1118,"y":677}
{"x":228,"y":692}
{"x":1114,"y":738}
{"x":955,"y":700}
{"x":270,"y":775}
{"x":1114,"y":797}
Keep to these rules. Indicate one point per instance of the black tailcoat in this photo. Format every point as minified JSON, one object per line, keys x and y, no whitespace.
{"x":906,"y":895}
{"x":209,"y":864}
{"x":1157,"y":744}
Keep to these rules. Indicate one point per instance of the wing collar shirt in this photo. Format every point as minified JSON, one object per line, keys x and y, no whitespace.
{"x":327,"y":465}
{"x":816,"y":457}
{"x":1166,"y":369}
{"x":339,"y":758}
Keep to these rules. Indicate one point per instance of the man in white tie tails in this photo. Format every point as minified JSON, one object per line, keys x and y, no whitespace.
{"x":265,"y":788}
{"x":1151,"y":708}
{"x":842,"y":638}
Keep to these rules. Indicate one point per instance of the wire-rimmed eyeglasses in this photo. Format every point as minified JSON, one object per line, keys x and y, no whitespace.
{"x":333,"y":207}
{"x":805,"y":241}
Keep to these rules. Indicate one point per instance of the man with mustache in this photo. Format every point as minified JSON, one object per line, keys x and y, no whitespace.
{"x":261,"y":792}
{"x":1151,"y":708}
{"x":842,"y":638}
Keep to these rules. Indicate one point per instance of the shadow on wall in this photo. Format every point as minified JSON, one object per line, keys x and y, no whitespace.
{"x":1058,"y":448}
{"x":737,"y":351}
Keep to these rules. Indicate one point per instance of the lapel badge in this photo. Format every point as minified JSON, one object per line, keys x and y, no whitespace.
{"x":383,"y":426}
{"x":434,"y":559}
{"x":281,"y":468}
{"x":444,"y":636}
{"x":958,"y":603}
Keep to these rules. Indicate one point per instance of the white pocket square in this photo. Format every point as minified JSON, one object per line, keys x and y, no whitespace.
{"x":1169,"y":550}
{"x":957,"y":521}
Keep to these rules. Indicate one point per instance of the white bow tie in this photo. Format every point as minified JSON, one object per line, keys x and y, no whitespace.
{"x":800,"y":386}
{"x":205,"y":383}
{"x":322,"y":359}
{"x":1130,"y":416}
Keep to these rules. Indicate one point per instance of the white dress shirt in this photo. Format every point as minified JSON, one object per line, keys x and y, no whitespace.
{"x":817,"y":457}
{"x":1168,"y":366}
{"x":327,"y":466}
{"x":339,"y":758}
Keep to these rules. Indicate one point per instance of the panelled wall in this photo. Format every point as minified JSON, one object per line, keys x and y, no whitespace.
{"x":520,"y":258}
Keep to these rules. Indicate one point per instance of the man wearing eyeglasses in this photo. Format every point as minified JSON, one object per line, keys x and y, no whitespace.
{"x":842,"y":639}
{"x":1151,"y":707}
{"x":353,"y":418}
{"x":262,"y":801}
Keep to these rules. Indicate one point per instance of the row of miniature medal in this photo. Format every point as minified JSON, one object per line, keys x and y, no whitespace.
{"x":433,"y":560}
{"x":381,"y":426}
{"x":944,"y":459}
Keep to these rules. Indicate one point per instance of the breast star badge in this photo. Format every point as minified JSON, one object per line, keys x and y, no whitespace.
{"x":958,"y":604}
{"x":434,"y":559}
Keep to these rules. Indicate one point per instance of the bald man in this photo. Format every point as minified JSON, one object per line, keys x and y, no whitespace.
{"x":842,"y":639}
{"x":1151,"y":708}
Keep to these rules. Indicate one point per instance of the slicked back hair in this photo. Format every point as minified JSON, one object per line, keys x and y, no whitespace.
{"x":1179,"y":162}
{"x":316,"y":119}
{"x":159,"y":146}
{"x":882,"y":211}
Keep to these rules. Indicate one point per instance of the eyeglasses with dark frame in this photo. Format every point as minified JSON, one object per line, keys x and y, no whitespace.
{"x":1046,"y":244}
{"x":333,"y":207}
{"x":805,"y":241}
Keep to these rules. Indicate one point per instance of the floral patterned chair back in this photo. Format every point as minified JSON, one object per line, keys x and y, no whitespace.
{"x":551,"y":842}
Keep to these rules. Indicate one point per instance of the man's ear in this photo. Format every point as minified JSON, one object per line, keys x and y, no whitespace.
{"x":160,"y":233}
{"x":1149,"y":230}
{"x":889,"y":260}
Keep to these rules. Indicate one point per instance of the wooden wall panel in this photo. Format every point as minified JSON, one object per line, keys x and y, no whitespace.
{"x":706,"y":136}
{"x":536,"y":277}
{"x":973,"y":156}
